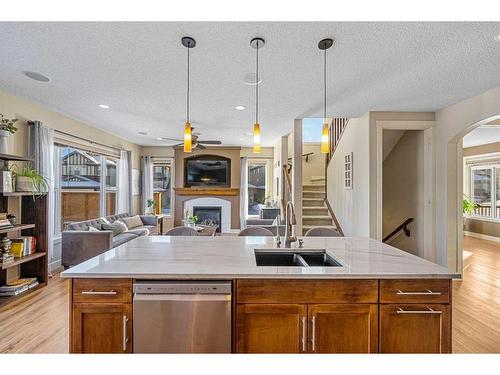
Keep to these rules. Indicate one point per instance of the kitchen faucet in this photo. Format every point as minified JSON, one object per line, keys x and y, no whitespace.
{"x":290,"y":221}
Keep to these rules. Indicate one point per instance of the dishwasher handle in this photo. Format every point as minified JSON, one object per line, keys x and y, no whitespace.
{"x":182,"y":297}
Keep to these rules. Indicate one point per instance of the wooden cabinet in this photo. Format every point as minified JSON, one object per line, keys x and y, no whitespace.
{"x":343,"y":328}
{"x":101,"y":328}
{"x":271,"y":328}
{"x":416,"y":328}
{"x":101,"y":318}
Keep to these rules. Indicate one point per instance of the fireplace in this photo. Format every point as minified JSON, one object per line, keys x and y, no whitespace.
{"x":207,"y":214}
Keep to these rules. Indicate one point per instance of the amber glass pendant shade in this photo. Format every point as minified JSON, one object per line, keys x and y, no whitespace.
{"x":187,"y":138}
{"x":325,"y":139}
{"x":256,"y":138}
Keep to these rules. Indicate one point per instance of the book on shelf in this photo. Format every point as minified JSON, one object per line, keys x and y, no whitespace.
{"x":16,"y":287}
{"x":23,"y":246}
{"x":6,"y":258}
{"x":5,"y":223}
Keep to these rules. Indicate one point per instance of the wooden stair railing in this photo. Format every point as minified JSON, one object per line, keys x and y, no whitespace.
{"x":403,"y":226}
{"x":337,"y":127}
{"x":332,"y":214}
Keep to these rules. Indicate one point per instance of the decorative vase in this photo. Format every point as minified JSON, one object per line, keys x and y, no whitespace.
{"x":4,"y":134}
{"x":24,"y":184}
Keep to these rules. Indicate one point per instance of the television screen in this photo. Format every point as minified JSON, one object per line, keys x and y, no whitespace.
{"x":207,"y":171}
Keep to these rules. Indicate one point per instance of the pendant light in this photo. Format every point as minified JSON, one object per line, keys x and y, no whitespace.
{"x":325,"y":133}
{"x":257,"y":43}
{"x":189,"y":43}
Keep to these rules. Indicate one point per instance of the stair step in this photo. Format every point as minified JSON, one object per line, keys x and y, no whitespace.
{"x":313,"y":187}
{"x":311,"y":211}
{"x":312,"y":202}
{"x":313,"y":194}
{"x":317,"y":220}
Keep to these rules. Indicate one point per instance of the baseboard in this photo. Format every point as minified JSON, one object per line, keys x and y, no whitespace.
{"x":482,"y":236}
{"x":53,"y":266}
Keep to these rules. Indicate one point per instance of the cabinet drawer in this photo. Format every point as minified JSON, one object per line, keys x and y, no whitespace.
{"x":415,"y":291}
{"x":102,"y":290}
{"x":306,"y":291}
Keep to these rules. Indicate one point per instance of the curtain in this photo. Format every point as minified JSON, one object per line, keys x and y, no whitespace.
{"x":41,"y":151}
{"x":147,"y":181}
{"x":244,"y":193}
{"x":124,"y":183}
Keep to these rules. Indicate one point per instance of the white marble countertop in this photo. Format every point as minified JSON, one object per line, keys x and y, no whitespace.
{"x":227,"y":257}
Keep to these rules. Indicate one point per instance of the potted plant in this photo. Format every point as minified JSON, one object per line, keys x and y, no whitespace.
{"x":7,"y":128}
{"x":150,"y":204}
{"x":468,"y":207}
{"x":268,"y":201}
{"x":191,"y":220}
{"x":29,"y":180}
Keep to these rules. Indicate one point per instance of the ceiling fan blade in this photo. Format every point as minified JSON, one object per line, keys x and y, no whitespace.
{"x":171,"y":139}
{"x":211,"y":142}
{"x":178,"y":145}
{"x":201,"y":147}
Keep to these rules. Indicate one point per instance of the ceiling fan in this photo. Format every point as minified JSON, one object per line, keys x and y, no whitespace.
{"x":195,"y":142}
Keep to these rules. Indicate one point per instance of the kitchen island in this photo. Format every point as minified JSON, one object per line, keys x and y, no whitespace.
{"x":374,"y":299}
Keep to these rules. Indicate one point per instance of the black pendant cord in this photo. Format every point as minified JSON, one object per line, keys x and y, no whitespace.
{"x":187,"y":96}
{"x":257,"y":87}
{"x":324,"y":87}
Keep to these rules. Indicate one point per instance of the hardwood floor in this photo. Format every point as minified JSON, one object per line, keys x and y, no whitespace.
{"x":476,"y":300}
{"x":476,"y":310}
{"x":37,"y":323}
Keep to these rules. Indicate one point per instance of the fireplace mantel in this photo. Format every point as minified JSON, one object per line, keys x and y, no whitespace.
{"x":207,"y":191}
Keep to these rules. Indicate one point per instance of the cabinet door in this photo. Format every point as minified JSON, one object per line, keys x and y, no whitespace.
{"x":101,"y":328}
{"x":415,"y":328}
{"x":268,"y":328}
{"x":349,"y":328}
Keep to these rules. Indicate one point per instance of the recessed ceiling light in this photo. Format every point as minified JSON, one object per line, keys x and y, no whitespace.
{"x":240,"y":107}
{"x":105,"y":106}
{"x":37,"y":76}
{"x":159,"y":138}
{"x":497,"y":38}
{"x":142,"y":133}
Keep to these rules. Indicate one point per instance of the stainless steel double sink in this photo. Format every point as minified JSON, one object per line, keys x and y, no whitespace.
{"x":295,"y":258}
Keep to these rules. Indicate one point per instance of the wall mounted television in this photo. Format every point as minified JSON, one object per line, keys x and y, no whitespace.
{"x":207,"y":171}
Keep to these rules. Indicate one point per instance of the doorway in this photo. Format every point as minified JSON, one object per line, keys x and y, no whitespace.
{"x":405,"y":185}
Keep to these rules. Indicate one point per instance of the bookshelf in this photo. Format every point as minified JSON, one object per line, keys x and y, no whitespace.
{"x":33,"y":222}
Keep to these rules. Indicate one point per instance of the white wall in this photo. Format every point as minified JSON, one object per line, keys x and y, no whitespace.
{"x":352,"y":206}
{"x":315,"y":167}
{"x":452,"y":123}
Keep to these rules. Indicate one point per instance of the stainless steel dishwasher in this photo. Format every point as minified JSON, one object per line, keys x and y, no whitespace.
{"x":182,"y":317}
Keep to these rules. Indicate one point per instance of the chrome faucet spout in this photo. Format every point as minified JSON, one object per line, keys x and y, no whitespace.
{"x":290,"y":221}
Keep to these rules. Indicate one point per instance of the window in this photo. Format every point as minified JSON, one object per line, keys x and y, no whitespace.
{"x":111,"y":185}
{"x":84,"y":189}
{"x":485,"y":190}
{"x":257,"y":185}
{"x":162,"y":188}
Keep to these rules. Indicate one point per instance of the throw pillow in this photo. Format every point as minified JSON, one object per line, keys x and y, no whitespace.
{"x":133,"y":221}
{"x":116,"y":227}
{"x":92,"y":229}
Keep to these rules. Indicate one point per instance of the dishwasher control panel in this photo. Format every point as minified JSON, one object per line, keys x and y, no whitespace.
{"x":184,"y":287}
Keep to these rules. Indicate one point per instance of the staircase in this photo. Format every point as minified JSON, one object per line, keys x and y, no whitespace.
{"x":314,"y":211}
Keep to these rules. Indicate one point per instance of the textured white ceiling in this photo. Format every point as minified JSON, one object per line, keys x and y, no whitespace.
{"x":139,"y":69}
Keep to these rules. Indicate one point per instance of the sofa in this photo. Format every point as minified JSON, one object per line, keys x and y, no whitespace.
{"x":266,"y":223}
{"x":86,"y":239}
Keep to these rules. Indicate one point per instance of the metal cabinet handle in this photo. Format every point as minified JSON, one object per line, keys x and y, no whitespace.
{"x":428,"y":311}
{"x":303,"y":339}
{"x":92,"y":291}
{"x":125,"y":338}
{"x":427,"y":292}
{"x":313,"y":335}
